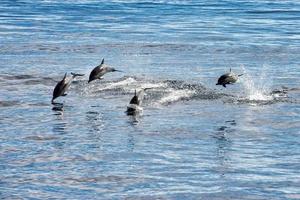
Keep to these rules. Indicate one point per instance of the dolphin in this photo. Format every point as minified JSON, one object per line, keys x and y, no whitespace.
{"x":100,"y":70}
{"x":228,"y":78}
{"x":63,"y":85}
{"x":136,"y":102}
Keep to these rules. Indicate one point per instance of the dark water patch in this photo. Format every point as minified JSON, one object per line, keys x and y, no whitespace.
{"x":41,"y":138}
{"x":9,"y":103}
{"x":240,"y":101}
{"x":92,"y":112}
{"x":280,"y":92}
{"x":170,"y":47}
{"x":16,"y":77}
{"x":41,"y":49}
{"x":25,"y":79}
{"x":21,"y":77}
{"x":103,"y":179}
{"x":286,"y":89}
{"x":44,"y":81}
{"x":182,"y":85}
{"x":263,"y":12}
{"x":59,"y":107}
{"x":53,"y":48}
{"x":14,"y":103}
{"x":231,"y":122}
{"x":38,"y":104}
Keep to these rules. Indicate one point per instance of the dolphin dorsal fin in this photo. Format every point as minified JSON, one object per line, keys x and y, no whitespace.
{"x":135,"y":92}
{"x":102,"y":62}
{"x":65,"y":76}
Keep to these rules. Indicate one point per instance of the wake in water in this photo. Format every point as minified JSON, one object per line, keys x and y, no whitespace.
{"x":170,"y":91}
{"x":257,"y":90}
{"x":163,"y":92}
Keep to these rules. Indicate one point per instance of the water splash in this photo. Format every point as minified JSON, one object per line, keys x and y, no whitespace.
{"x":256,"y":88}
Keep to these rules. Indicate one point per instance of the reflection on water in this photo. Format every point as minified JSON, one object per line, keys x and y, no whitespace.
{"x":95,"y":126}
{"x":134,"y":119}
{"x":94,"y":122}
{"x":223,"y":142}
{"x":8,"y":103}
{"x":58,"y":108}
{"x":60,"y":127}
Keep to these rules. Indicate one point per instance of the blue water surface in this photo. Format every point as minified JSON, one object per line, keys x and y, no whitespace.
{"x":193,"y":140}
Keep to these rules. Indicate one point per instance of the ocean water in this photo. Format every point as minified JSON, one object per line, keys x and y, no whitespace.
{"x":193,"y":140}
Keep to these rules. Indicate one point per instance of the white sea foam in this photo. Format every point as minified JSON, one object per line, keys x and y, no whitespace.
{"x":127,"y":81}
{"x":153,"y":85}
{"x":256,"y":88}
{"x":175,"y":95}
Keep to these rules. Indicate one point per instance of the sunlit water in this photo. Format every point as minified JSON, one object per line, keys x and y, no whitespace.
{"x":193,"y":139}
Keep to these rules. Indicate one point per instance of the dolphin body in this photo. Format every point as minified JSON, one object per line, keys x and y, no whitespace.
{"x":100,"y":70}
{"x":228,"y":78}
{"x":63,"y":85}
{"x":136,"y":101}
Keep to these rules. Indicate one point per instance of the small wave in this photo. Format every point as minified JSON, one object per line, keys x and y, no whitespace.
{"x":97,"y":88}
{"x":152,"y":85}
{"x":122,"y":83}
{"x":25,"y":79}
{"x":170,"y":91}
{"x":8,"y":103}
{"x":105,"y":179}
{"x":176,"y":95}
{"x":164,"y":91}
{"x":16,"y":77}
{"x":41,"y":138}
{"x":126,"y":85}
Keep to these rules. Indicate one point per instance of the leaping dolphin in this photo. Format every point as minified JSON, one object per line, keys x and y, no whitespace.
{"x":63,"y":85}
{"x":100,"y":70}
{"x":228,"y":78}
{"x":136,"y":102}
